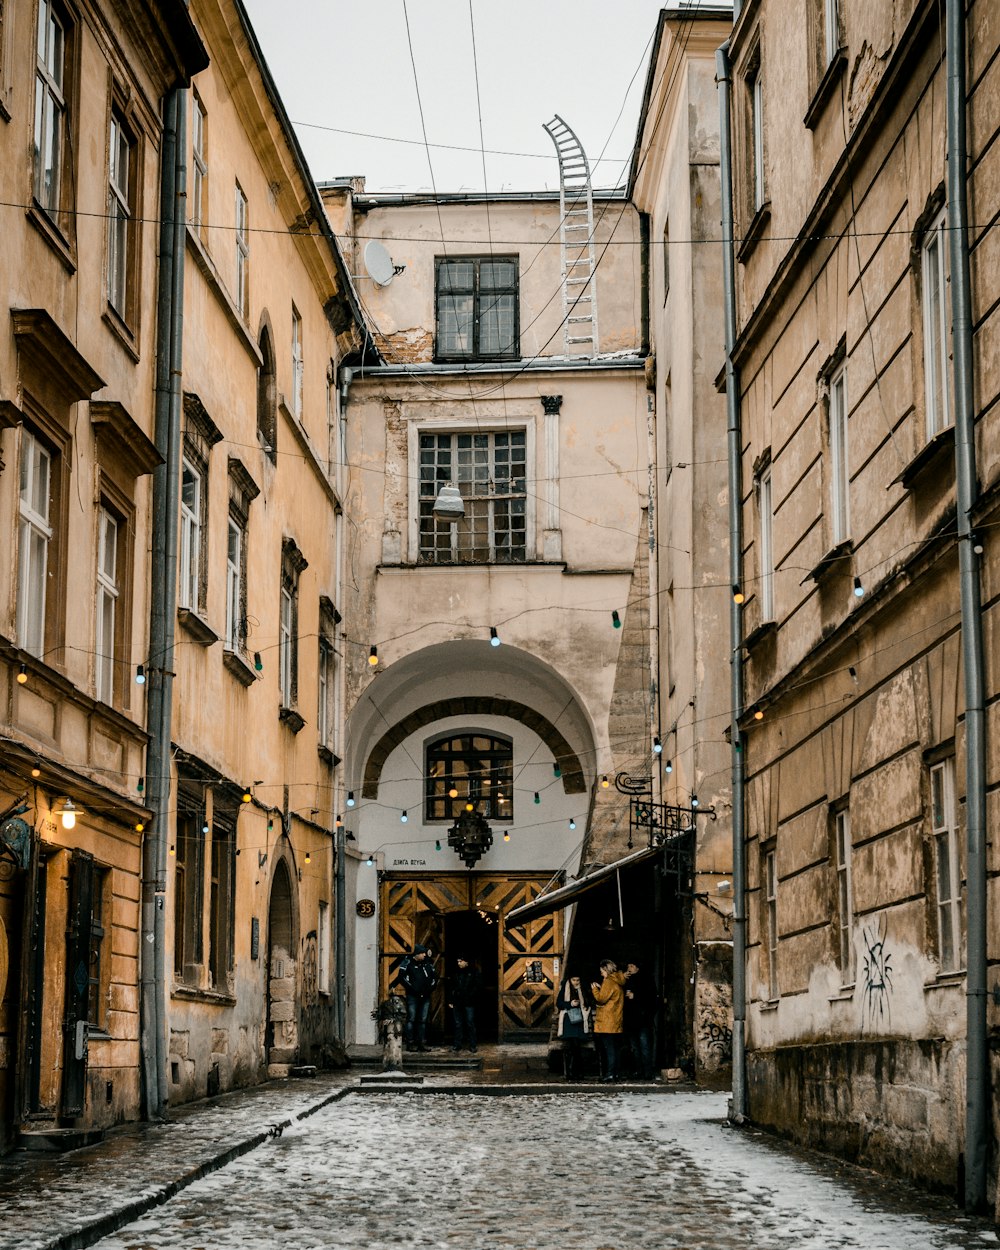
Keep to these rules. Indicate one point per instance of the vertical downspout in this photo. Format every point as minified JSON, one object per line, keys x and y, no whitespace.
{"x":977,"y":1057}
{"x":738,"y":1108}
{"x":340,"y":902}
{"x":170,"y":299}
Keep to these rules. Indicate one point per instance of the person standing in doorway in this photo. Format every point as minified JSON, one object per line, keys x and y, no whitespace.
{"x":640,"y":1003}
{"x":418,"y":977}
{"x":575,"y":1013}
{"x":609,"y":995}
{"x":463,"y":994}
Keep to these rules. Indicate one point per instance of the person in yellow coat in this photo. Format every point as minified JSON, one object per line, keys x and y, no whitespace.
{"x":609,"y":1017}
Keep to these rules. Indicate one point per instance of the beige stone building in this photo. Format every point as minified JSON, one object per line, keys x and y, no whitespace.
{"x":675,"y":185}
{"x":82,"y":92}
{"x":863,"y":904}
{"x":545,"y":439}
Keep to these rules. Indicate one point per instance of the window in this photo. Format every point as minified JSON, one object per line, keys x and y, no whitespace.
{"x":242,"y":291}
{"x":267,"y":395}
{"x":489,"y":471}
{"x":323,"y":949}
{"x":108,"y":592}
{"x":293,"y":564}
{"x":771,"y":921}
{"x":840,"y":471}
{"x":235,"y":622}
{"x":477,"y":308}
{"x":222,"y":894}
{"x":470,"y":768}
{"x":189,"y":876}
{"x":755,"y":87}
{"x":121,"y":212}
{"x":831,"y":24}
{"x":666,"y":261}
{"x":297,"y":364}
{"x":944,"y":830}
{"x":192,"y":490}
{"x":766,"y":554}
{"x":50,"y":106}
{"x":937,"y":326}
{"x":199,"y":161}
{"x":326,"y":687}
{"x":35,"y":535}
{"x":845,"y":896}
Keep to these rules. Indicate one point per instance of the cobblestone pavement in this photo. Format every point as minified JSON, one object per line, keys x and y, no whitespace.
{"x":540,"y":1171}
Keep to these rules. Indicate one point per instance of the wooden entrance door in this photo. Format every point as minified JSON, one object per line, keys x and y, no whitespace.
{"x":413,"y":909}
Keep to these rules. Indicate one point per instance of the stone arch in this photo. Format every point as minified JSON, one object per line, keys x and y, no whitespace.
{"x":474,"y":705}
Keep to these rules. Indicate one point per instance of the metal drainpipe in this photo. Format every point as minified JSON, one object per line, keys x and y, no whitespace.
{"x":738,"y":1109}
{"x":340,"y":902}
{"x":977,"y":1057}
{"x":163,"y":574}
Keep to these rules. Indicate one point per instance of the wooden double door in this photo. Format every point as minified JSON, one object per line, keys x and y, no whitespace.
{"x":462,"y":913}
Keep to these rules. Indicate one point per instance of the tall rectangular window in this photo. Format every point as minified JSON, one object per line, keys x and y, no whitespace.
{"x":234,"y":586}
{"x":831,"y":15}
{"x":323,"y":949}
{"x":297,"y":363}
{"x":293,"y":564}
{"x":192,"y":486}
{"x":189,"y":883}
{"x":937,"y":326}
{"x":845,"y":896}
{"x":489,"y":471}
{"x":50,"y":105}
{"x":325,"y":693}
{"x":771,"y":920}
{"x":97,"y":972}
{"x":755,"y":85}
{"x":477,"y":307}
{"x":666,"y":260}
{"x":242,"y":290}
{"x":222,"y":895}
{"x":108,"y":591}
{"x":840,"y":470}
{"x":35,"y":535}
{"x":286,"y":641}
{"x":944,"y":830}
{"x":120,"y":212}
{"x":765,"y":518}
{"x":199,"y":161}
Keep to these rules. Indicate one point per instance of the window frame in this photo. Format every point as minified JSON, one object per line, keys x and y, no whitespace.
{"x":769,"y":869}
{"x":840,"y":475}
{"x":293,"y":565}
{"x":831,"y":31}
{"x":221,"y":865}
{"x":764,"y":492}
{"x":843,"y":851}
{"x":445,"y":536}
{"x":298,"y":365}
{"x":936,"y":321}
{"x":32,"y":524}
{"x":52,"y":106}
{"x":199,"y":163}
{"x":121,"y":277}
{"x":441,"y":265}
{"x":241,"y":233}
{"x":470,"y":784}
{"x":944,"y":827}
{"x":754,"y":80}
{"x":108,"y":592}
{"x":324,"y":947}
{"x":189,"y":883}
{"x":235,"y":635}
{"x":190,"y":537}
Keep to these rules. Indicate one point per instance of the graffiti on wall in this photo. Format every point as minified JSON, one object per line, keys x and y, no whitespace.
{"x":715,"y":1032}
{"x":877,"y":976}
{"x":310,"y":971}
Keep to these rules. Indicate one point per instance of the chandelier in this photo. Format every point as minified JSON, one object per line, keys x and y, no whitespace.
{"x":470,"y":837}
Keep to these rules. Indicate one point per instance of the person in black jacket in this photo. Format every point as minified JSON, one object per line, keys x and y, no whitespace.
{"x":463,"y":994}
{"x":640,"y":1010}
{"x":418,"y":977}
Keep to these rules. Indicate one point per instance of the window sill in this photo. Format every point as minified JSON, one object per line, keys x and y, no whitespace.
{"x":845,"y":996}
{"x":120,"y":329}
{"x":826,"y":89}
{"x":754,"y":231}
{"x":53,"y":236}
{"x":239,"y":667}
{"x":199,"y":629}
{"x":769,"y":1004}
{"x":927,"y":458}
{"x":294,"y":720}
{"x":946,"y":981}
{"x":756,"y":636}
{"x":327,"y":756}
{"x":191,"y":993}
{"x":832,"y":564}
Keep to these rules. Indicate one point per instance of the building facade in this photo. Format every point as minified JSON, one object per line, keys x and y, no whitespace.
{"x":855,"y":728}
{"x":81,"y":137}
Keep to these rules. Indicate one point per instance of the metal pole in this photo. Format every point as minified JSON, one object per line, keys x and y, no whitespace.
{"x":738,"y":1110}
{"x":151,"y":996}
{"x":977,"y":1088}
{"x":340,"y":955}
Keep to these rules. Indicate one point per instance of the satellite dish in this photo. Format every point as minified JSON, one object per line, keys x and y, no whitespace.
{"x":378,"y":263}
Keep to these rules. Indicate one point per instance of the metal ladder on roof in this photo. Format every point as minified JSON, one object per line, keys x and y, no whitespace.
{"x":576,"y":241}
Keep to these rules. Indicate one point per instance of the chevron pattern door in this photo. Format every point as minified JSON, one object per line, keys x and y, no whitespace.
{"x":413,"y":910}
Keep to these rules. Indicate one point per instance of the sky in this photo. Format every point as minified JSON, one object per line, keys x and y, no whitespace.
{"x":348,"y":66}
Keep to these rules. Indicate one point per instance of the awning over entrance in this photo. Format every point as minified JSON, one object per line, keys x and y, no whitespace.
{"x":545,"y":904}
